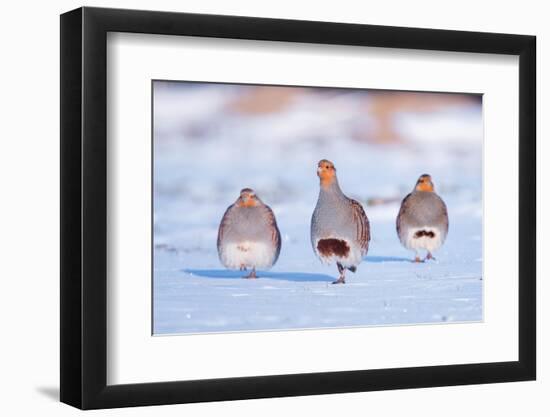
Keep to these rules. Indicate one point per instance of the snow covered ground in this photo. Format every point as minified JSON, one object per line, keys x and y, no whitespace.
{"x":204,"y":155}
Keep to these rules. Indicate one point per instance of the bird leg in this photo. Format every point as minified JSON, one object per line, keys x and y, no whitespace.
{"x":342,"y":271}
{"x":252,"y":274}
{"x":429,"y":256}
{"x":417,"y":259}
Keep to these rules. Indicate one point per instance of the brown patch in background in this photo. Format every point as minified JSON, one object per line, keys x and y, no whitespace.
{"x":383,"y":106}
{"x":266,"y":99}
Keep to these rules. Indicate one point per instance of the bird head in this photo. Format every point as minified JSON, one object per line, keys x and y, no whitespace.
{"x":326,"y":172}
{"x":247,"y":198}
{"x":424,"y":183}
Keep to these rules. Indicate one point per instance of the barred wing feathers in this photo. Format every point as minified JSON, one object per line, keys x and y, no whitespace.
{"x":363,"y":225}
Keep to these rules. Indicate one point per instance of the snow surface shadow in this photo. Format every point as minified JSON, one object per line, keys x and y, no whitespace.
{"x":382,"y":259}
{"x":284,"y":276}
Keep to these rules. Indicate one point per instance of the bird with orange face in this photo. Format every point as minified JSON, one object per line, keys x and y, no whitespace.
{"x":248,"y":236}
{"x":340,"y":229}
{"x":423,"y":222}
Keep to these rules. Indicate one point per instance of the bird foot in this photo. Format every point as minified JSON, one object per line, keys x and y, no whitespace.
{"x":252,"y":275}
{"x":340,"y":280}
{"x":418,"y":260}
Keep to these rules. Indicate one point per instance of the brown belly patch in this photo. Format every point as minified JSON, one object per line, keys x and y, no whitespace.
{"x":329,"y":247}
{"x":422,"y":233}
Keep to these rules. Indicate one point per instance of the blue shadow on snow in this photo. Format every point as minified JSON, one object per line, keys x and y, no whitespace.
{"x":382,"y":259}
{"x":284,"y":276}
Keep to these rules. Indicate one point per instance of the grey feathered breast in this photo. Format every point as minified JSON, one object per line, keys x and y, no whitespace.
{"x":422,"y":208}
{"x":338,"y":215}
{"x":250,"y":223}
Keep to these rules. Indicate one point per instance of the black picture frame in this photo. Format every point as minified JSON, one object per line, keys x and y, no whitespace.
{"x":84,"y":207}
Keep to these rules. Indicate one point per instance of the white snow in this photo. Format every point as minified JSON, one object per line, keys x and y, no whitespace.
{"x":200,"y":169}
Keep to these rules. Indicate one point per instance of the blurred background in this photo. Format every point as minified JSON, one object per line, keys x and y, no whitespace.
{"x":211,"y":140}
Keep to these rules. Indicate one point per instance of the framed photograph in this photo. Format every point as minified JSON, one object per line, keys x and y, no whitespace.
{"x":259,"y":208}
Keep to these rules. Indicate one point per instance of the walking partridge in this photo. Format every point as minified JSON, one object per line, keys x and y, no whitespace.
{"x":248,"y":236}
{"x":422,"y":222}
{"x":340,"y":230}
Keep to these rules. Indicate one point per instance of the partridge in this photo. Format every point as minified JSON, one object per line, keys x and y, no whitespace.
{"x":340,"y":230}
{"x":248,"y":236}
{"x":422,"y":222}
